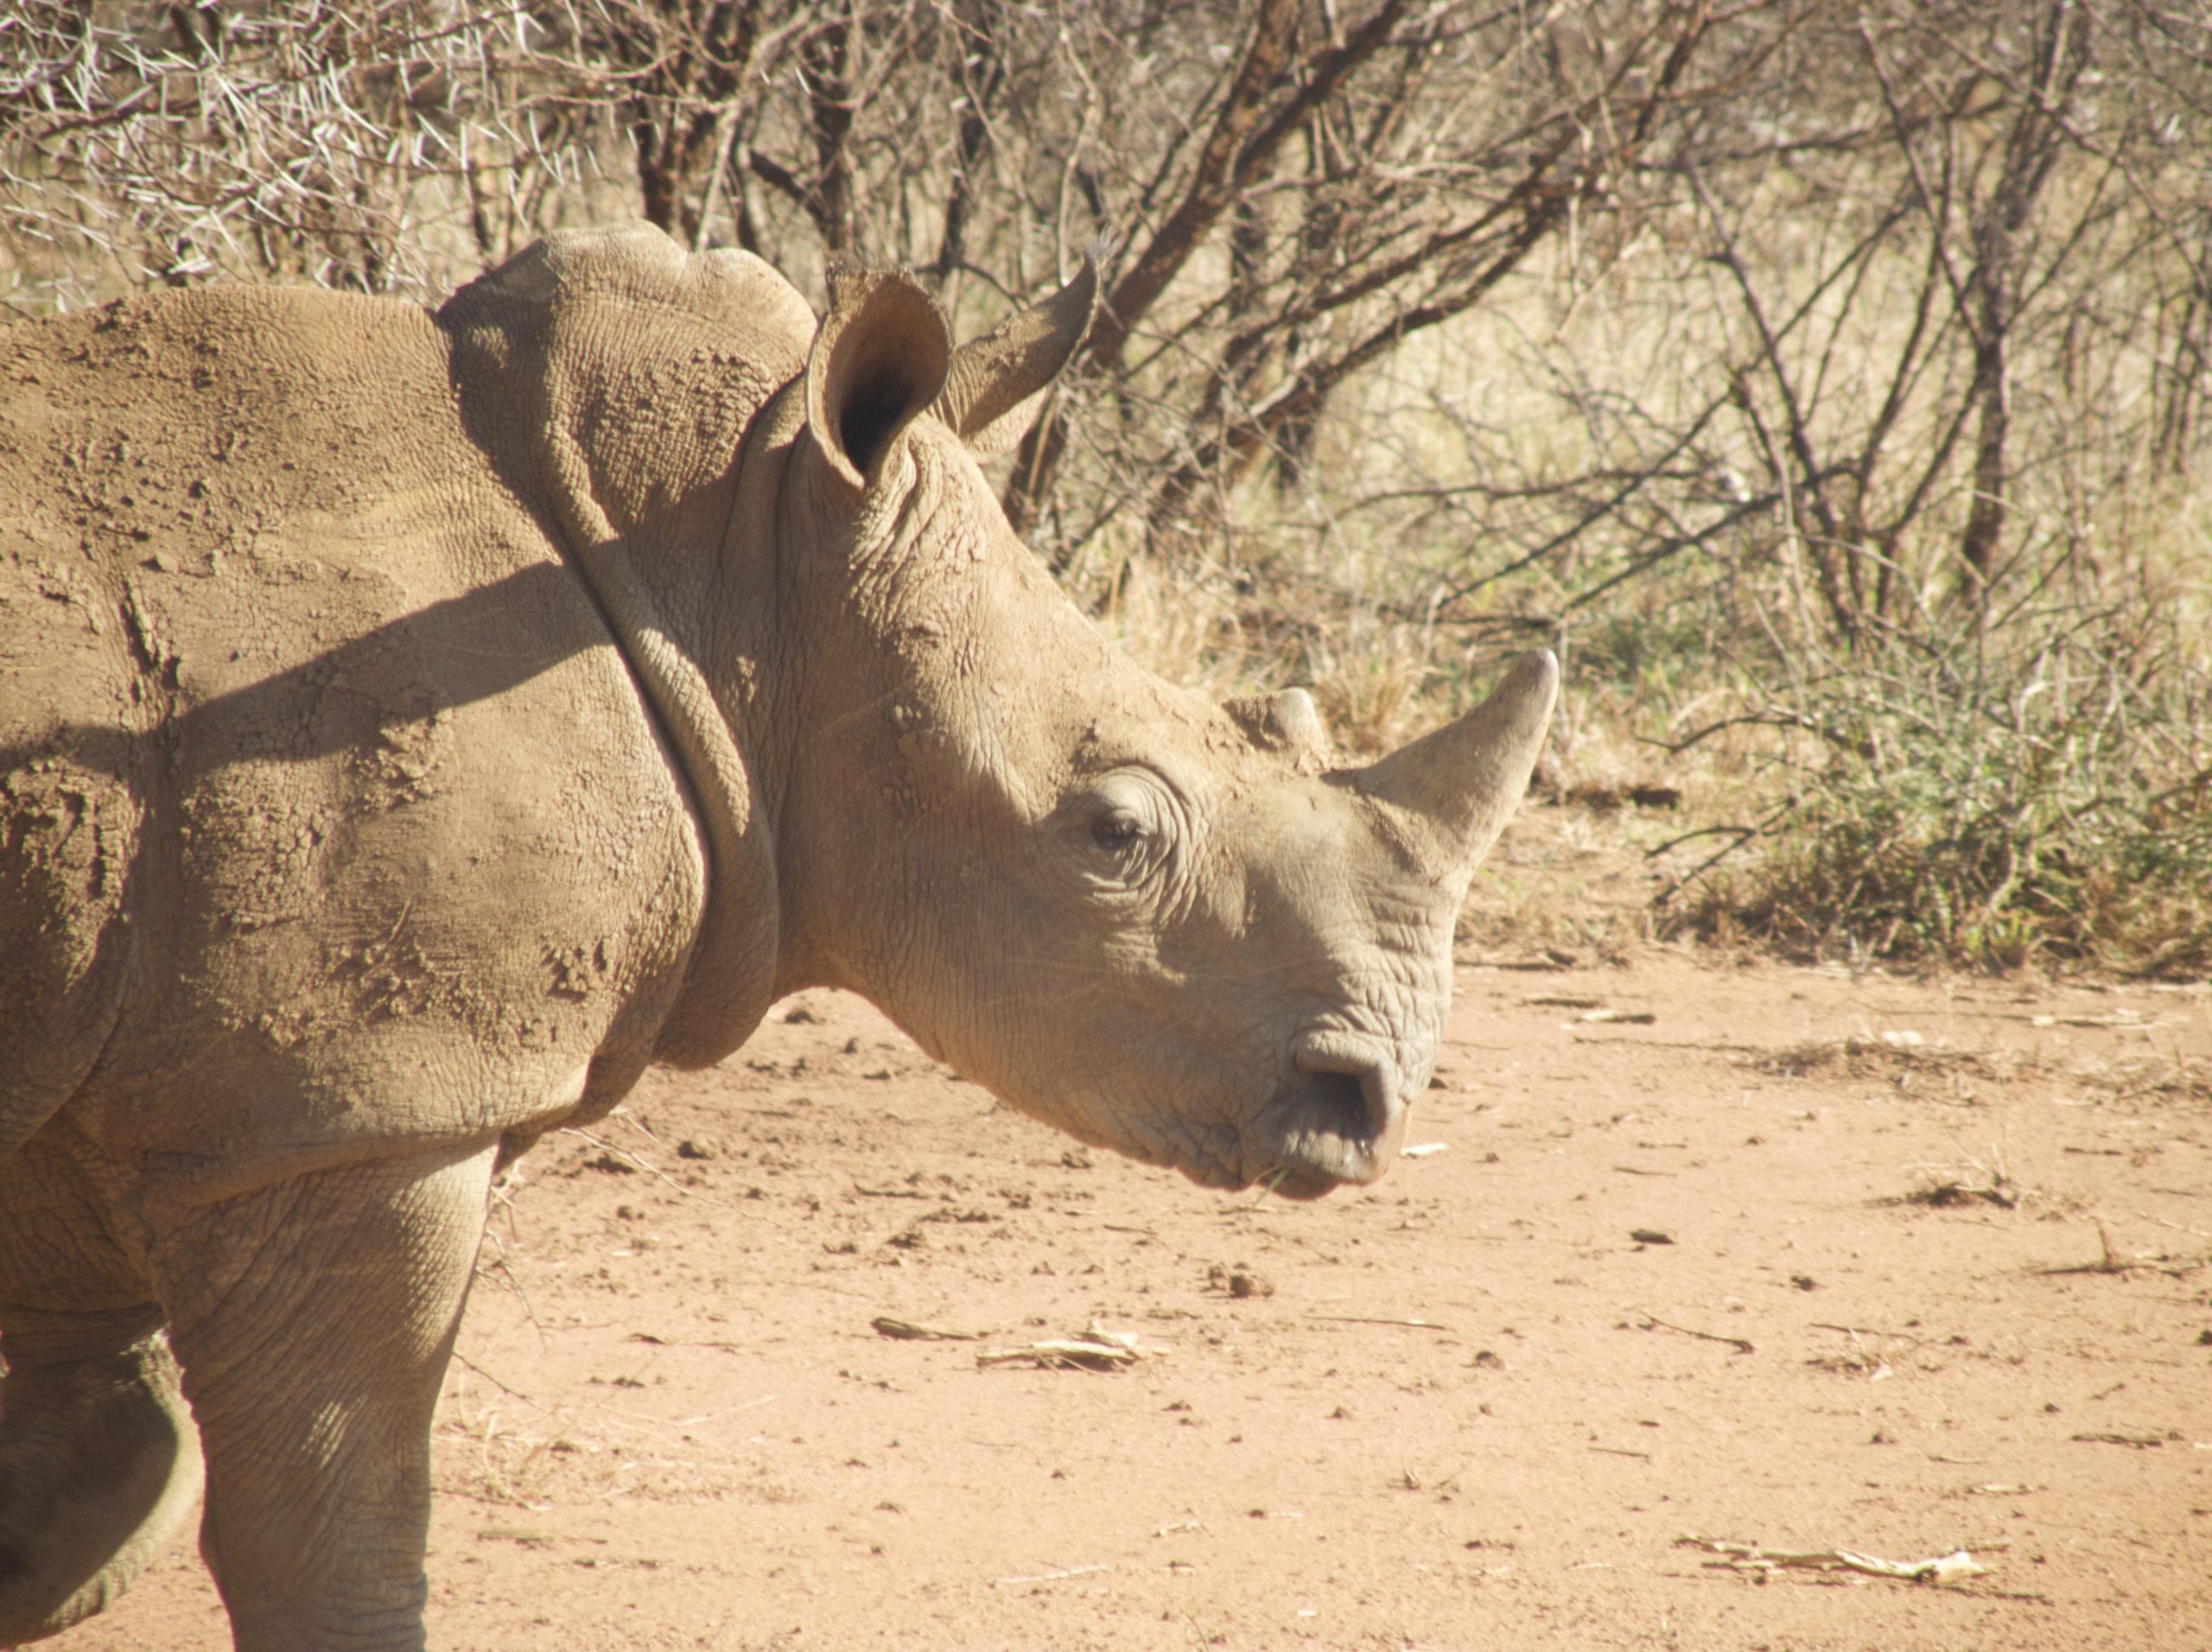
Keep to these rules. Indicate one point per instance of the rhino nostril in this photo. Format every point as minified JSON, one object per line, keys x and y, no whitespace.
{"x":1342,"y":1104}
{"x":1341,"y":1118}
{"x":1361,"y":1088}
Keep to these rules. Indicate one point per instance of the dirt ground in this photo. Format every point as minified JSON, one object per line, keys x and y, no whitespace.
{"x":1761,"y":1255}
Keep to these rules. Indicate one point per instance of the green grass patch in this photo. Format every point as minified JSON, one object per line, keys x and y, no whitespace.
{"x":1995,"y":802}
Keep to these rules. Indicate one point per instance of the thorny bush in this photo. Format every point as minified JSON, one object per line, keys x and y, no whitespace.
{"x":1428,"y":325}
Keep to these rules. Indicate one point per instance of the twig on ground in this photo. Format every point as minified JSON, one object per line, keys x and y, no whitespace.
{"x":2112,"y":1262}
{"x":1094,"y":1349}
{"x":1756,"y":1557}
{"x":686,"y":1342}
{"x":1865,"y":1331}
{"x":641,"y":1162}
{"x":638,"y":1124}
{"x":2140,"y":1442}
{"x":1652,"y":1322}
{"x":460,"y":1358}
{"x":907,"y":1331}
{"x":1050,"y":1576}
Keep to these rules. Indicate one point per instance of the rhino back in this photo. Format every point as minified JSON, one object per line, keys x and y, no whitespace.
{"x":382,"y":839}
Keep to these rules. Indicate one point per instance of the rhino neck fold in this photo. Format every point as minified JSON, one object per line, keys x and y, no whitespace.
{"x":611,"y":379}
{"x":730,"y":978}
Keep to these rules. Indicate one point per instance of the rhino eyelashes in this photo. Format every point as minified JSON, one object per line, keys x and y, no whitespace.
{"x":1132,"y":819}
{"x":1116,"y":833}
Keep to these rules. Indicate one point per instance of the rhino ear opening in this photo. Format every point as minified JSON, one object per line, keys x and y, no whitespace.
{"x":879,"y":356}
{"x":996,"y":383}
{"x":1467,"y":777}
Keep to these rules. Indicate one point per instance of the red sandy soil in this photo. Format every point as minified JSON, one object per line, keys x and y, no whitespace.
{"x":1925,"y":1268}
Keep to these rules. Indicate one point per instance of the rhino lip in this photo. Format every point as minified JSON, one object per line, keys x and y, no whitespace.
{"x":1340,"y":1119}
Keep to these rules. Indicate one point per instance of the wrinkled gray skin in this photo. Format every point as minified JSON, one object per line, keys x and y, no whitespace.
{"x":412,"y":725}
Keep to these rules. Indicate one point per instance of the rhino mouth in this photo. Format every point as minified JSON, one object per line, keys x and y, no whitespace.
{"x":1337,"y":1118}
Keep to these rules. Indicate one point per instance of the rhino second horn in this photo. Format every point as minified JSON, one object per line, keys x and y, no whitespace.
{"x":1293,"y":719}
{"x":1285,"y":721}
{"x":1465,"y":778}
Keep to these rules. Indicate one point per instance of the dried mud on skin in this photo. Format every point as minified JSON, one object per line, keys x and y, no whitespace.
{"x":1934,"y":1280}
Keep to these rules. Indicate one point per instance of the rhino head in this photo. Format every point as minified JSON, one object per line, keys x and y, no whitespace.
{"x":1164,"y":925}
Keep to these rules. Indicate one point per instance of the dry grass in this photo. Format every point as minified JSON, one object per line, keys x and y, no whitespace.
{"x":1886,"y":1056}
{"x":500,"y":1446}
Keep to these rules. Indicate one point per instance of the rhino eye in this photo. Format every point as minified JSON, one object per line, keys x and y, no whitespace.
{"x":1117,"y":832}
{"x":1123,"y":827}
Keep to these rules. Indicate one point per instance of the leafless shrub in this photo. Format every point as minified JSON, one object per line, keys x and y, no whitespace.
{"x":146,"y":145}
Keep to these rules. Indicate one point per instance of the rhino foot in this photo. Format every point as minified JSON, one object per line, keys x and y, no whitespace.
{"x":99,"y":1463}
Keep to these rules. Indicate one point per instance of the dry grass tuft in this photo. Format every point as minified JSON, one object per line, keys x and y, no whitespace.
{"x":1885,"y":1056}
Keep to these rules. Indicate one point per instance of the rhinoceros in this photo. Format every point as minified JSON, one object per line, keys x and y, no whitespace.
{"x":414,"y":723}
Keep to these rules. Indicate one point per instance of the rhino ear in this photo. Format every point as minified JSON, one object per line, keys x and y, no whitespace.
{"x":880,"y":357}
{"x":997,"y":383}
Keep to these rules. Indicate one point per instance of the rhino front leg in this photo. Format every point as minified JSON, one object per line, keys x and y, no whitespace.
{"x":314,"y":1320}
{"x":98,"y":1462}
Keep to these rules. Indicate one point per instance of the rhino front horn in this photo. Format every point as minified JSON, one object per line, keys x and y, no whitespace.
{"x":1465,"y":778}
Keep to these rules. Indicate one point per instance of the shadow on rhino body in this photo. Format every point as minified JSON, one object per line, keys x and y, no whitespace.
{"x":339,"y":700}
